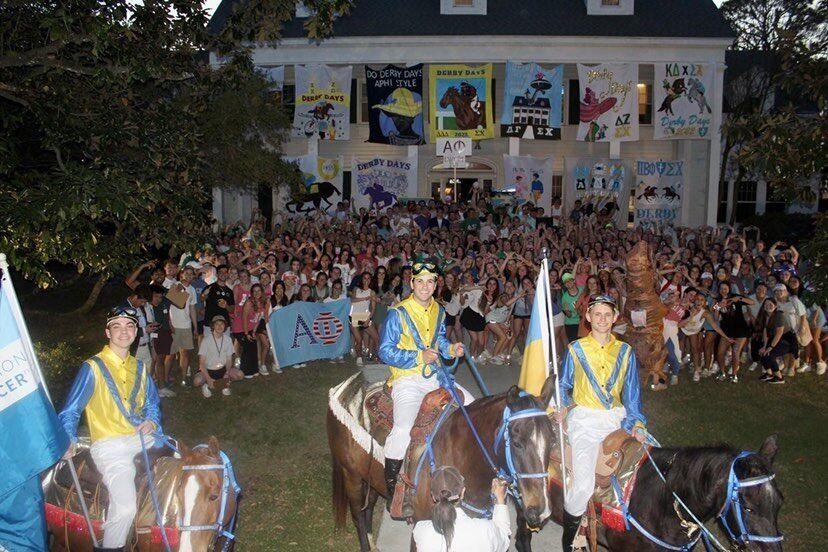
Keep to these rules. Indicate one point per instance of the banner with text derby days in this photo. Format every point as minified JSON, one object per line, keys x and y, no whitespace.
{"x":322,"y":178}
{"x":608,"y":103}
{"x":530,"y":178}
{"x":395,"y":105}
{"x":461,"y":101}
{"x":683,"y":94}
{"x":659,"y":191}
{"x":598,"y":182}
{"x":532,"y":102}
{"x":304,"y":331}
{"x":381,"y":181}
{"x":323,"y":102}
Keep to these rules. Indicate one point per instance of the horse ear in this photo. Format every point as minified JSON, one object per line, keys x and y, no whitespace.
{"x":769,"y":448}
{"x":183,"y":449}
{"x":214,"y":446}
{"x":513,"y":394}
{"x":548,"y":391}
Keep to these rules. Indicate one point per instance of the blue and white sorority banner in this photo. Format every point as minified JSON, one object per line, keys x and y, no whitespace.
{"x":381,"y":181}
{"x":659,"y":191}
{"x":532,"y":101}
{"x":305,"y":331}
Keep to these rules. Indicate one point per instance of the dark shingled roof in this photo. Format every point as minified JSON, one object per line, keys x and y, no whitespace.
{"x":653,"y":18}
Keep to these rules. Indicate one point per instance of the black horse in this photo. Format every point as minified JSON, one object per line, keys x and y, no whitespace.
{"x":699,"y":476}
{"x":324,"y":191}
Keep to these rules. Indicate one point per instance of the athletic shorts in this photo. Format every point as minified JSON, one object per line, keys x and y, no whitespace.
{"x":182,"y":340}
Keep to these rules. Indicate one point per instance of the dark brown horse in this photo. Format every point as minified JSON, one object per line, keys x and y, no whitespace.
{"x":358,"y":476}
{"x":467,"y":117}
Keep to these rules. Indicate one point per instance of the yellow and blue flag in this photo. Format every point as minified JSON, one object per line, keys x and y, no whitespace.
{"x":535,"y":367}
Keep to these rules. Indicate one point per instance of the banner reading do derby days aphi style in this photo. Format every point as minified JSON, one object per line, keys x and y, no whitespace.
{"x":395,"y":105}
{"x":382,"y":181}
{"x":532,"y":102}
{"x":609,"y":102}
{"x":681,"y":94}
{"x":305,"y":331}
{"x":323,"y":102}
{"x":460,"y":101}
{"x":659,"y":191}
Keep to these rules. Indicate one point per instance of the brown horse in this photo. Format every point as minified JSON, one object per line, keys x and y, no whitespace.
{"x":358,"y":475}
{"x":467,"y":117}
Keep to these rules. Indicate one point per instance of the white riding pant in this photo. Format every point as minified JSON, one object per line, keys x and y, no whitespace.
{"x":587,"y":429}
{"x":408,"y":393}
{"x":114,"y":458}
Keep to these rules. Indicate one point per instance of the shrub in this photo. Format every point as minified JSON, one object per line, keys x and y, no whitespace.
{"x":793,"y":228}
{"x":59,"y":365}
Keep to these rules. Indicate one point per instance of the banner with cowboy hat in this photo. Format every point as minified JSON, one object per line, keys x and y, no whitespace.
{"x":395,"y":105}
{"x":598,"y":183}
{"x":322,"y":179}
{"x":380,"y":182}
{"x":658,"y":191}
{"x":681,"y":94}
{"x":532,"y":102}
{"x":460,"y":101}
{"x":609,"y":102}
{"x":530,"y":178}
{"x":323,"y":102}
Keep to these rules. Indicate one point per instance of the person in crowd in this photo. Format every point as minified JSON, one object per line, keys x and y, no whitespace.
{"x":184,"y":323}
{"x":215,"y":359}
{"x":569,"y":298}
{"x":255,"y":325}
{"x":472,"y":318}
{"x":363,"y":304}
{"x":734,"y":324}
{"x":778,"y":340}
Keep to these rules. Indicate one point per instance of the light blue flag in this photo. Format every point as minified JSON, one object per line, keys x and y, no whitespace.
{"x":532,"y":102}
{"x":31,"y":439}
{"x":305,"y":331}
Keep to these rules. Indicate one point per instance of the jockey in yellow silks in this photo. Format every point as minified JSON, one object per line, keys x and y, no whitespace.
{"x":413,"y":337}
{"x":601,"y":374}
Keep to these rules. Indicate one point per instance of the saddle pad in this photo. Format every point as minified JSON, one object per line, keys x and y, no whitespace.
{"x":346,"y":402}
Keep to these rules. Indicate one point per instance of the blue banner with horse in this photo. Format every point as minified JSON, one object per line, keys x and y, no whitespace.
{"x":304,"y":331}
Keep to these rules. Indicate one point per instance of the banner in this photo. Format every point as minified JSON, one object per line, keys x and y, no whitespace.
{"x":395,"y":105}
{"x":609,"y":102}
{"x":535,"y":366}
{"x":531,"y":178}
{"x":322,"y":177}
{"x":681,"y":92}
{"x":381,"y":181}
{"x":460,"y":101}
{"x":532,"y":102}
{"x":598,"y":183}
{"x":305,"y":331}
{"x":659,"y":190}
{"x":323,"y":102}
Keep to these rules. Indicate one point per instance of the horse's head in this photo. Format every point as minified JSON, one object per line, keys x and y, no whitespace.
{"x":449,"y":97}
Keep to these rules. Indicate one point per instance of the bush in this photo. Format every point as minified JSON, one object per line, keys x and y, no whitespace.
{"x":59,"y":364}
{"x":793,"y":228}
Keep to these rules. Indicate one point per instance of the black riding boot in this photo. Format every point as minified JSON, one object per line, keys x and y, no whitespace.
{"x":570,"y":530}
{"x":392,"y":469}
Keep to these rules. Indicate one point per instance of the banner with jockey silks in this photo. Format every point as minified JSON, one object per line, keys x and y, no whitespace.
{"x":323,"y":102}
{"x":460,"y":101}
{"x":659,"y":188}
{"x":395,"y":105}
{"x":683,"y":93}
{"x":379,"y":182}
{"x":597,"y":183}
{"x":532,"y":102}
{"x":530,"y":178}
{"x":305,"y":331}
{"x":322,"y":178}
{"x":609,"y":102}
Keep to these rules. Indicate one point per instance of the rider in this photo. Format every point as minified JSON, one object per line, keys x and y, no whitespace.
{"x":414,"y":336}
{"x":601,"y":373}
{"x":121,"y":403}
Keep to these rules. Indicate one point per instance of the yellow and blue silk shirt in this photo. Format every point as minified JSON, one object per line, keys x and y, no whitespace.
{"x":91,"y":394}
{"x":409,"y":329}
{"x":603,"y":377}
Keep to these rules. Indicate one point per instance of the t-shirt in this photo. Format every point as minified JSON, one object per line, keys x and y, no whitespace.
{"x":216,"y":351}
{"x":794,"y":309}
{"x":568,"y":305}
{"x":215,"y":292}
{"x":180,"y":318}
{"x":162,"y":313}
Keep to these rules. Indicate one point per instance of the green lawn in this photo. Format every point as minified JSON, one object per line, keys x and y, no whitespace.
{"x":274,"y":431}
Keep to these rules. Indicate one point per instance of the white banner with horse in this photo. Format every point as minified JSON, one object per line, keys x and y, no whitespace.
{"x":461,"y":101}
{"x":380,"y":182}
{"x":681,"y":93}
{"x":323,"y":102}
{"x":322,"y":180}
{"x":609,"y":102}
{"x":659,"y":191}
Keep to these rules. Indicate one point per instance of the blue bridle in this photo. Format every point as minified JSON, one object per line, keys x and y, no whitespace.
{"x":734,"y":502}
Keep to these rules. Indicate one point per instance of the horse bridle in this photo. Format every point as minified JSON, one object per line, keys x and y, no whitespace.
{"x":514,"y":476}
{"x":228,"y":482}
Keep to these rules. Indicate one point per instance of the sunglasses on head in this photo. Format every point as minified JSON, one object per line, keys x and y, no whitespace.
{"x":122,"y":312}
{"x":602,"y":299}
{"x":418,"y":268}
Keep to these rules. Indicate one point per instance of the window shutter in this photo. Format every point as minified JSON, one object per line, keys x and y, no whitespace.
{"x":346,"y":185}
{"x":353,"y":115}
{"x":574,"y":102}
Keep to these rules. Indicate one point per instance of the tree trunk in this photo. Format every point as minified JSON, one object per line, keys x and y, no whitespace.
{"x":93,"y":296}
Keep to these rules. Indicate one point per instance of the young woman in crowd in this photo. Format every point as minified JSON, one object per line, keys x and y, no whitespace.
{"x":471,"y":316}
{"x":253,"y":328}
{"x":778,"y":340}
{"x":499,"y":324}
{"x":363,"y":303}
{"x":734,"y":324}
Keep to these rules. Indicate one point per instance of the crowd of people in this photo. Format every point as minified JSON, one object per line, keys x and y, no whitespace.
{"x":733,"y":301}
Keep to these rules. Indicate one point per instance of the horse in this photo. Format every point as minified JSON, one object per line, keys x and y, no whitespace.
{"x":324,"y":191}
{"x":696,"y":95}
{"x":650,"y":193}
{"x":380,"y":199}
{"x":670,"y":193}
{"x":466,"y":116}
{"x":197,"y":494}
{"x":358,"y":475}
{"x":704,"y":478}
{"x":673,"y":92}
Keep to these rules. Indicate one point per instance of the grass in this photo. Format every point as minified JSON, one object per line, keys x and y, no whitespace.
{"x":274,"y":431}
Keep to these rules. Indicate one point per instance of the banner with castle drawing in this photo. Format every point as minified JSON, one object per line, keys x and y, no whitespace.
{"x":597,"y":183}
{"x":322,"y":179}
{"x":683,"y":93}
{"x":460,"y":101}
{"x":395,"y":105}
{"x":380,"y":182}
{"x":609,"y":102}
{"x":532,"y":102}
{"x":659,"y":189}
{"x":323,"y":102}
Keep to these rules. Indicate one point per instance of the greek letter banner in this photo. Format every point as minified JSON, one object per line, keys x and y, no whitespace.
{"x":395,"y":105}
{"x":609,"y":102}
{"x":530,"y":178}
{"x":461,"y":101}
{"x":681,"y":94}
{"x":598,"y":183}
{"x":322,"y":177}
{"x":382,"y":181}
{"x":659,"y":191}
{"x":532,"y":102}
{"x":305,"y":331}
{"x":323,"y":102}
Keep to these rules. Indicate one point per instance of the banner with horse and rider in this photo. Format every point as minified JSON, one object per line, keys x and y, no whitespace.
{"x":531,"y":178}
{"x":322,"y":180}
{"x":598,"y":183}
{"x":381,"y":181}
{"x":681,"y":93}
{"x":659,"y":190}
{"x":323,"y":102}
{"x":609,"y":102}
{"x":395,"y":105}
{"x":532,"y":102}
{"x":461,"y":101}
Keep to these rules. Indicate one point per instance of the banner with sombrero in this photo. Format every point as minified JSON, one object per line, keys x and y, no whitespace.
{"x":323,"y":102}
{"x":460,"y":101}
{"x":681,"y":91}
{"x":609,"y":102}
{"x":395,"y":105}
{"x":532,"y":102}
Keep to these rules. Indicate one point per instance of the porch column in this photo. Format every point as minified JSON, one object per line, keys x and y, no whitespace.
{"x":714,"y":160}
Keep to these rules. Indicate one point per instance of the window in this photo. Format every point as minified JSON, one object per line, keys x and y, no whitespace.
{"x":346,"y":185}
{"x":724,"y":191}
{"x":353,"y":114}
{"x":745,"y":201}
{"x":557,"y":186}
{"x":775,"y":202}
{"x":645,"y":104}
{"x":363,"y":104}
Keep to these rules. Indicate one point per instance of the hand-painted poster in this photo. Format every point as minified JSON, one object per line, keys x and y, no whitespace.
{"x":530,"y":178}
{"x":276,"y":77}
{"x":681,"y":94}
{"x":659,"y":187}
{"x":322,"y":179}
{"x":598,"y":183}
{"x":609,"y":102}
{"x":382,"y":181}
{"x":395,"y":105}
{"x":460,"y":101}
{"x":323,"y":102}
{"x":532,"y":102}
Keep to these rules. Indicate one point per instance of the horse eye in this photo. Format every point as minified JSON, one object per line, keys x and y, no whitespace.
{"x":518,"y":445}
{"x":213,"y":497}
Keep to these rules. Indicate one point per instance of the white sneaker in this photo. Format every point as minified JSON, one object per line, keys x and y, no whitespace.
{"x":673,"y":379}
{"x":686,"y":358}
{"x":805,"y":367}
{"x":696,"y":376}
{"x":237,"y":363}
{"x":166,"y":392}
{"x":263,"y":370}
{"x":359,"y":361}
{"x":498,"y":360}
{"x":205,"y":390}
{"x":753,"y":366}
{"x":820,"y":367}
{"x":484,"y":356}
{"x":226,"y":392}
{"x":275,"y":369}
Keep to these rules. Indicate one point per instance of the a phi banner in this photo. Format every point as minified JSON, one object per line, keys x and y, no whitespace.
{"x":305,"y":331}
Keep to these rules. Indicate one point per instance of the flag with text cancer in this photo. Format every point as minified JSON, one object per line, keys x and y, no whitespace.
{"x":31,"y":440}
{"x":535,"y":366}
{"x":305,"y":331}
